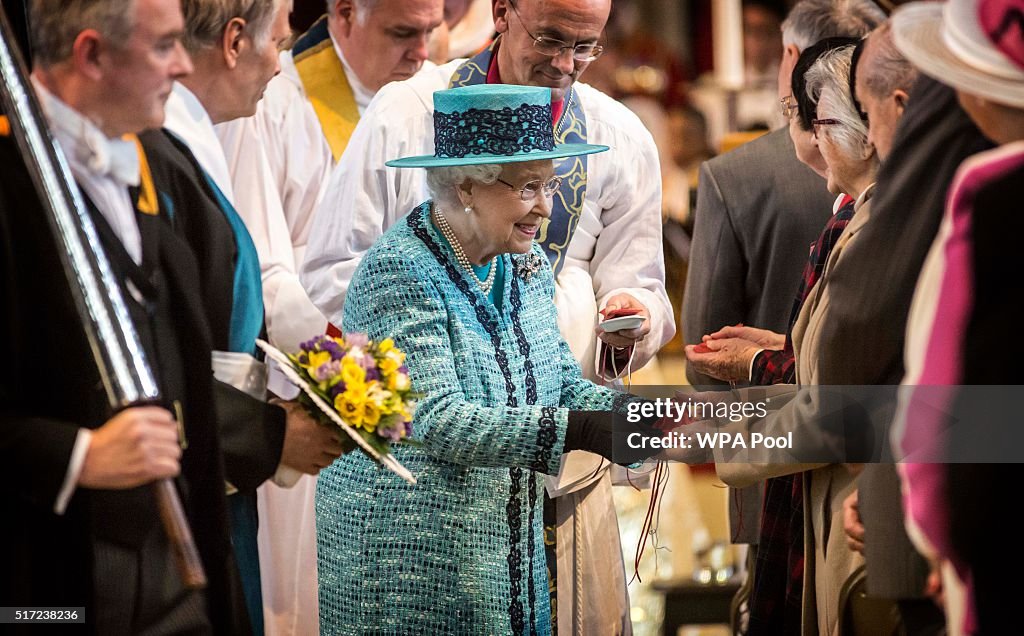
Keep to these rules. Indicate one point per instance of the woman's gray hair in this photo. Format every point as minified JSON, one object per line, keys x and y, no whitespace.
{"x":442,"y":181}
{"x":54,"y":25}
{"x":205,"y":20}
{"x":828,"y":83}
{"x":811,"y":21}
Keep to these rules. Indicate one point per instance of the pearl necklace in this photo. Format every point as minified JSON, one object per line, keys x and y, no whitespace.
{"x":460,"y":255}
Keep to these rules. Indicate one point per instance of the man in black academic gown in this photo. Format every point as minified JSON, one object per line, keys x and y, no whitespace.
{"x":82,"y":525}
{"x":237,"y":57}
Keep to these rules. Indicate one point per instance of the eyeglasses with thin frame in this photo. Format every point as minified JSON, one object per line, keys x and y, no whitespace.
{"x":529,"y":191}
{"x":823,"y":122}
{"x":788,"y":106}
{"x":587,"y":52}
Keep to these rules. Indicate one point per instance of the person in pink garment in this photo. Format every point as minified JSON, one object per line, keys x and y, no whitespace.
{"x":975,"y":46}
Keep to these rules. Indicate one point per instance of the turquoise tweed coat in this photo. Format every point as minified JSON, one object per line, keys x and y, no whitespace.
{"x":462,"y":551}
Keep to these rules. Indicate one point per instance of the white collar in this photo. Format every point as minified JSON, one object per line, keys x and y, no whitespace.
{"x":86,"y":144}
{"x":863,"y":197}
{"x":838,"y":203}
{"x":362,"y":94}
{"x":188,"y":119}
{"x":193,"y":109}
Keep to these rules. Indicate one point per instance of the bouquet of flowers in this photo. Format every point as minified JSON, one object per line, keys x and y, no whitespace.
{"x":360,"y":385}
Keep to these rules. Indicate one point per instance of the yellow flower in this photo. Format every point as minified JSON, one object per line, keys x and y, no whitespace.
{"x":371,"y":415}
{"x":352,"y":373}
{"x":317,"y":358}
{"x":387,"y":344}
{"x":350,"y":406}
{"x":388,"y":365}
{"x":400,"y":408}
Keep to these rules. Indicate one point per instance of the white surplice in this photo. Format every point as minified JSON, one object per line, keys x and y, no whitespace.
{"x":616,"y":248}
{"x":186,"y":117}
{"x":280,"y":164}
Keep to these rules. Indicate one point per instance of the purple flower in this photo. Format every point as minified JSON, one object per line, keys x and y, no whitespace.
{"x":313,"y":344}
{"x":392,"y":428}
{"x":333,"y":348}
{"x":336,"y":390}
{"x":372,"y":374}
{"x":408,"y":428}
{"x":327,"y":370}
{"x":404,"y":369}
{"x":357,"y":339}
{"x":367,"y":362}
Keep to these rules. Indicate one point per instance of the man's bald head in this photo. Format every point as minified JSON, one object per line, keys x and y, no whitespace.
{"x":572,"y":23}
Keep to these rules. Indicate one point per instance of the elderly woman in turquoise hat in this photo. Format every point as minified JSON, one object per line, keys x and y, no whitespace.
{"x":462,"y":288}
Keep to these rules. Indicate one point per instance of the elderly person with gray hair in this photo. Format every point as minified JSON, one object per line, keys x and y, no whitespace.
{"x":841,"y":133}
{"x":465,"y":291}
{"x":280,"y":162}
{"x":884,"y":78}
{"x":827,"y":561}
{"x":234,"y":47}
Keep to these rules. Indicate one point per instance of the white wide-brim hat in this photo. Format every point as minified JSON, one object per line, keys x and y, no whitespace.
{"x":947,"y":42}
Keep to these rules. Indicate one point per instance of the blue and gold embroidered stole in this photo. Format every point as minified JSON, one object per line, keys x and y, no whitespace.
{"x":567,"y":205}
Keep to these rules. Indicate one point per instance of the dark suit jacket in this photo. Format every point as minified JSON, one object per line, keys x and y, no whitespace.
{"x":758,"y":211}
{"x":252,"y":431}
{"x":871,"y":292}
{"x":50,"y":387}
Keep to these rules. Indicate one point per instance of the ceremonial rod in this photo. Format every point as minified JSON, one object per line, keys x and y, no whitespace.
{"x":115,"y":345}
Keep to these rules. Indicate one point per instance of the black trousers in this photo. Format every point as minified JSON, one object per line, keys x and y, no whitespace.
{"x":139,"y":591}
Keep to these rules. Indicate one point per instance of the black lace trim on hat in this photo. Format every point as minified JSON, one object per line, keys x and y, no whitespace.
{"x":493,"y":132}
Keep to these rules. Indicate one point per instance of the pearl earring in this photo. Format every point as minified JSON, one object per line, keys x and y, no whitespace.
{"x":468,"y":209}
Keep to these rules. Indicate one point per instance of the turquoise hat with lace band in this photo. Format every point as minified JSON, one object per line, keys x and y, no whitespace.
{"x":493,"y":123}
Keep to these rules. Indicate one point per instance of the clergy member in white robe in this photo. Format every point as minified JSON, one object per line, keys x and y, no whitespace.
{"x":189,"y":121}
{"x":609,"y":245}
{"x":279,"y":164}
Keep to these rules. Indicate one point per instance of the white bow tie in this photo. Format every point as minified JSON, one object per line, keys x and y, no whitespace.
{"x":91,"y":149}
{"x":103,"y":156}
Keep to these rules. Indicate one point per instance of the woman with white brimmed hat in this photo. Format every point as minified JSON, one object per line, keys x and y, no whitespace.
{"x":466,"y":293}
{"x":962,"y":312}
{"x":975,"y":46}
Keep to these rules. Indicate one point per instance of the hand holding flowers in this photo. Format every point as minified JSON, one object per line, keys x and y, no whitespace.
{"x":358,"y":384}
